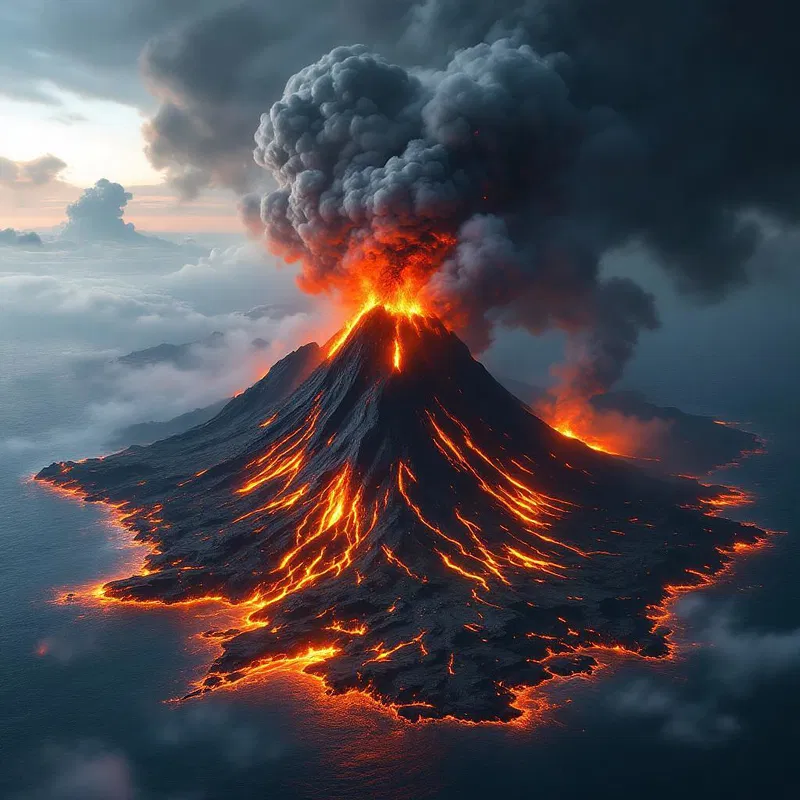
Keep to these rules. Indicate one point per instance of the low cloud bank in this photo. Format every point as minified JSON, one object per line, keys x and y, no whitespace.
{"x":729,"y":665}
{"x":11,"y":236}
{"x":90,"y":308}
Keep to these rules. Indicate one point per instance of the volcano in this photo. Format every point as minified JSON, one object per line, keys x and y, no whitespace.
{"x":390,"y":518}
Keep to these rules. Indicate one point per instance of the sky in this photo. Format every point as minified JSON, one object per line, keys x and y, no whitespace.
{"x":51,"y":107}
{"x":95,"y":137}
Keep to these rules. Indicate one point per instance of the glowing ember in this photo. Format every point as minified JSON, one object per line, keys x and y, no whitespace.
{"x":586,"y":438}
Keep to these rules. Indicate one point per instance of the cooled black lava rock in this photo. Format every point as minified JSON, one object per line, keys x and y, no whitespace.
{"x":417,"y":528}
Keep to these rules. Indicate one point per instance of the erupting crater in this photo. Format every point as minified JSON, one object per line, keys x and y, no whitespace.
{"x":390,"y":518}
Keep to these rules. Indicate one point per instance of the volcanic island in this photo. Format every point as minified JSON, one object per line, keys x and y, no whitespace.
{"x":391,"y":519}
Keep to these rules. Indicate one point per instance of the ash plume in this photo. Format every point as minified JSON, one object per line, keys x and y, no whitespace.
{"x":214,"y":73}
{"x":465,"y":180}
{"x":97,"y":214}
{"x":250,"y":214}
{"x":669,"y":124}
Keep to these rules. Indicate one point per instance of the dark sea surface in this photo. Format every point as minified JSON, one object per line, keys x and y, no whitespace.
{"x":84,"y":691}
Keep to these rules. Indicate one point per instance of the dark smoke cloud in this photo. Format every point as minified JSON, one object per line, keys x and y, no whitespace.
{"x":37,"y":172}
{"x":665,"y":124}
{"x":97,"y":215}
{"x":250,"y":214}
{"x":215,"y":74}
{"x":489,"y":154}
{"x":89,"y":47}
{"x":10,"y":236}
{"x":707,"y":88}
{"x":212,"y":76}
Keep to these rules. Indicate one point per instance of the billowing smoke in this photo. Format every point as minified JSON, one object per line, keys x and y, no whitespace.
{"x":38,"y":172}
{"x":250,"y":214}
{"x":665,"y":124}
{"x":97,"y":215}
{"x":10,"y":236}
{"x":466,"y":183}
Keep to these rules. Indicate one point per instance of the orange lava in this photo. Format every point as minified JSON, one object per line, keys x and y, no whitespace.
{"x":393,"y":269}
{"x":566,"y":429}
{"x":401,"y":306}
{"x":575,"y":418}
{"x":732,"y":497}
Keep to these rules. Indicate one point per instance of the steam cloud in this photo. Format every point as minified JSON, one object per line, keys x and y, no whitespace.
{"x":732,"y":667}
{"x":97,"y":214}
{"x":87,"y":771}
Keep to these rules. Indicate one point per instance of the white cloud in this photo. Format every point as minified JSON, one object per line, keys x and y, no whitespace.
{"x":90,"y":305}
{"x":236,"y":277}
{"x":161,"y":391}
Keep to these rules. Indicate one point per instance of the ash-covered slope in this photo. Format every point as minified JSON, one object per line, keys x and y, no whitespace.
{"x":403,"y":525}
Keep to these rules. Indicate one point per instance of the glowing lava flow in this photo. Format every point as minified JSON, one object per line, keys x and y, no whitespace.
{"x":576,"y":419}
{"x":336,"y":523}
{"x":400,"y":526}
{"x":401,"y":307}
{"x":326,"y":540}
{"x":587,"y":438}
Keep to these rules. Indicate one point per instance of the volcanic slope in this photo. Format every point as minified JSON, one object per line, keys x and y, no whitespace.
{"x":402,"y":525}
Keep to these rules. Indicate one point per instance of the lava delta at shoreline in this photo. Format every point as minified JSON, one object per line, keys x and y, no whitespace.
{"x":389,"y":518}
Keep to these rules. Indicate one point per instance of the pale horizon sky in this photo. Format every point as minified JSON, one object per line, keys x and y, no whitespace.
{"x":154,"y":208}
{"x":96,"y":138}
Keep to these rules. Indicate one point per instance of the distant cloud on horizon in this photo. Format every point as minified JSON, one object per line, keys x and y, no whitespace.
{"x":153,"y":208}
{"x":10,"y":236}
{"x":34,"y":173}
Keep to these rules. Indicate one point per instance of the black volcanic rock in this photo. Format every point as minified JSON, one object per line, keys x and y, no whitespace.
{"x":416,"y":533}
{"x":692,"y":444}
{"x":685,"y":444}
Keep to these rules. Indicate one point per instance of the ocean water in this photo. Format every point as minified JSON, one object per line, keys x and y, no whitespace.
{"x":85,"y":692}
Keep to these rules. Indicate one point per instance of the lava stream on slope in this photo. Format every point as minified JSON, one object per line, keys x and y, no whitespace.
{"x":398,"y":523}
